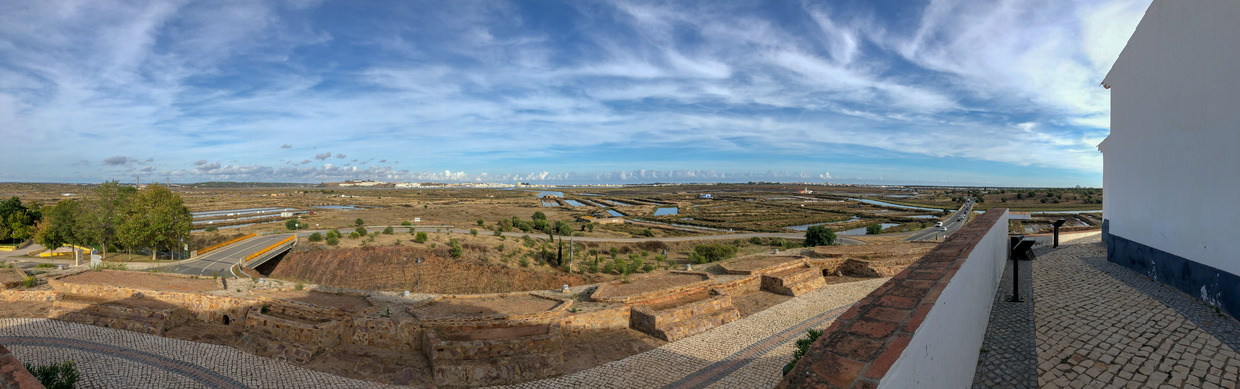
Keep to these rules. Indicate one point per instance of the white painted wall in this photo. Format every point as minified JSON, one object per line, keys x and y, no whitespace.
{"x":943,"y":351}
{"x":1172,"y":161}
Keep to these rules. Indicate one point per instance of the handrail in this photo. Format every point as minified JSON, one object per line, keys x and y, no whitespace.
{"x":209,"y":248}
{"x":269,"y":248}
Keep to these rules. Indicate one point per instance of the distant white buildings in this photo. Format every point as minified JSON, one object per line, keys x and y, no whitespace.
{"x":1172,"y":160}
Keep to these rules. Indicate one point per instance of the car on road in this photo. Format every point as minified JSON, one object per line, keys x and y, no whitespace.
{"x":942,"y":228}
{"x":939,"y":224}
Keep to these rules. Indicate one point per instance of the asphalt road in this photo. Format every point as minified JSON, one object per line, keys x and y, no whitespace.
{"x":935,"y":233}
{"x":220,"y":260}
{"x":793,"y":235}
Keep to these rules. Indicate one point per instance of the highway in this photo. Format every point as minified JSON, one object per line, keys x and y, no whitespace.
{"x":954,"y":222}
{"x":218,"y":261}
{"x":746,"y":235}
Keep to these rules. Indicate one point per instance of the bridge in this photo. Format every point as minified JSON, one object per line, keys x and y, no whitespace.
{"x":249,"y":251}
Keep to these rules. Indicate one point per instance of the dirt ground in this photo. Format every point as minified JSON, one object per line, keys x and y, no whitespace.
{"x":501,"y":305}
{"x":751,"y":303}
{"x":197,"y":331}
{"x":756,"y":262}
{"x":142,"y":280}
{"x":25,"y":308}
{"x":10,"y":275}
{"x":344,"y":302}
{"x":592,"y":349}
{"x":647,"y":284}
{"x":375,"y":365}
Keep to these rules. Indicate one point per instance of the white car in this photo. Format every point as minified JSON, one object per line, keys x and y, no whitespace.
{"x":939,"y":224}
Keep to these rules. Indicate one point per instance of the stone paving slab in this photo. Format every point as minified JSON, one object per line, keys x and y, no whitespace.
{"x":1095,"y":331}
{"x":1009,"y":355}
{"x":747,"y":353}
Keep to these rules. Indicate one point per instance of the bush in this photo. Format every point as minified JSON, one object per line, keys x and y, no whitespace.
{"x":525,"y":262}
{"x":420,"y":237}
{"x":802,"y":347}
{"x":316,"y":237}
{"x":291,"y":224}
{"x":819,"y":236}
{"x":56,"y":376}
{"x":874,"y":229}
{"x":387,"y":231}
{"x":455,"y":249}
{"x":30,"y":281}
{"x":354,"y":235}
{"x":361,"y":231}
{"x":481,"y":222}
{"x":499,"y":233}
{"x":406,"y":223}
{"x":647,"y":232}
{"x":212,"y":229}
{"x":332,"y":240}
{"x":334,"y":232}
{"x":359,"y":222}
{"x":714,"y":252}
{"x":473,"y":231}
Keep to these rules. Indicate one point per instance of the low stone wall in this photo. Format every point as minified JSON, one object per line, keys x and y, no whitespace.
{"x":127,"y":317}
{"x":469,"y":356}
{"x":830,"y":265}
{"x":878,"y":268}
{"x":739,"y":286}
{"x":614,"y":317}
{"x":922,"y":328}
{"x":793,"y":282}
{"x":205,"y":308}
{"x":289,"y":339}
{"x":16,"y":282}
{"x":685,"y":320}
{"x":27,"y":295}
{"x":393,"y":334}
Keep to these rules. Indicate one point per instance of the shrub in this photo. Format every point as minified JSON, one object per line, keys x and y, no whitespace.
{"x":212,"y":229}
{"x":316,"y":237}
{"x":819,"y":236}
{"x":525,"y":262}
{"x":473,"y":231}
{"x":56,"y":376}
{"x":354,"y":235}
{"x":359,"y":222}
{"x":499,"y":233}
{"x":420,"y":237}
{"x":109,"y":266}
{"x":332,"y":240}
{"x":387,"y":231}
{"x":714,"y":252}
{"x":334,"y":232}
{"x":802,"y":347}
{"x":361,"y":231}
{"x":291,"y":224}
{"x":30,"y":281}
{"x":406,"y":223}
{"x":44,"y":266}
{"x":647,"y":232}
{"x":455,"y":249}
{"x":874,"y":229}
{"x":299,"y":286}
{"x":481,"y":222}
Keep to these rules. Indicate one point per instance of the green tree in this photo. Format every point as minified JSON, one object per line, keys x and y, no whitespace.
{"x":455,"y":248}
{"x":155,"y":218}
{"x":714,"y":252}
{"x":420,"y":237}
{"x":563,"y":228}
{"x":316,"y":237}
{"x":291,"y":224}
{"x":105,"y":208}
{"x":473,"y":231}
{"x":361,"y":231}
{"x":333,"y":240}
{"x":538,"y":215}
{"x":481,"y":222}
{"x":359,"y":222}
{"x":334,"y":233}
{"x":57,"y":227}
{"x":874,"y":229}
{"x":819,"y":236}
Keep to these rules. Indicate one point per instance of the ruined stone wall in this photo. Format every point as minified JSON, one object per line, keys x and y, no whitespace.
{"x":679,"y":322}
{"x":27,"y":295}
{"x":463,"y":357}
{"x":322,"y":334}
{"x":615,"y":317}
{"x":748,"y":284}
{"x":394,"y":334}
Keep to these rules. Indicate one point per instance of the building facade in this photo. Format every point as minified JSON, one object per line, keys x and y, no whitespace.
{"x":1172,"y":160}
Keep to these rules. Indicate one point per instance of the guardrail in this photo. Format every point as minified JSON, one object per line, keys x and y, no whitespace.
{"x":204,"y":251}
{"x":269,"y":248}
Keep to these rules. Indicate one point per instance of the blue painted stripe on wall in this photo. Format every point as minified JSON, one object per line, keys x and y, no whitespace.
{"x":1207,"y":283}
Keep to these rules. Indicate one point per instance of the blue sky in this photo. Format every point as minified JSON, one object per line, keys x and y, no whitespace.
{"x":890,"y":91}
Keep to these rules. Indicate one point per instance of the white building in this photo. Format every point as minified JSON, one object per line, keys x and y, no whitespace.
{"x":1172,"y":160}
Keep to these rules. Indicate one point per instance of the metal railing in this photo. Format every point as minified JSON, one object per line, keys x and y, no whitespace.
{"x":259,"y":253}
{"x":208,"y":249}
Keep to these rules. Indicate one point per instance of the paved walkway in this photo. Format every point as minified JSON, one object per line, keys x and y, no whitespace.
{"x":747,"y":353}
{"x":1008,"y":358}
{"x":1098,"y":326}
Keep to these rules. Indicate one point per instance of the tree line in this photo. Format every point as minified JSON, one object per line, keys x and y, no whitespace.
{"x":112,"y":216}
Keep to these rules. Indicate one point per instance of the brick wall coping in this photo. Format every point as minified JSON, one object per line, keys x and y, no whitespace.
{"x":13,"y":374}
{"x":863,"y":343}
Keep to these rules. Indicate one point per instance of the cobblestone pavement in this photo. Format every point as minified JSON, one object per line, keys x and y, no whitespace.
{"x":747,"y":353}
{"x":111,"y":358}
{"x":1094,"y":330}
{"x":1009,"y":357}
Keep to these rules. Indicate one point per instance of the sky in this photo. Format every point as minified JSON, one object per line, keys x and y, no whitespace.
{"x":1002,"y":93}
